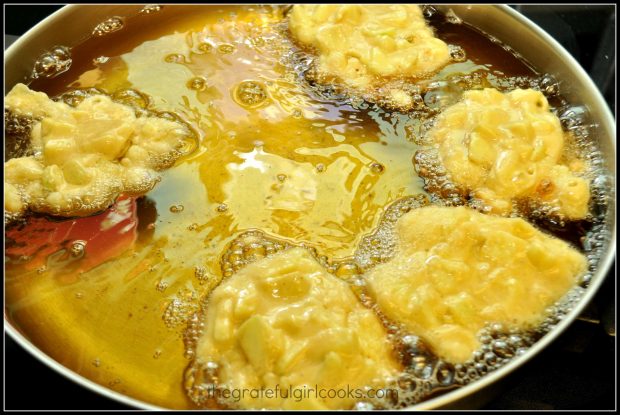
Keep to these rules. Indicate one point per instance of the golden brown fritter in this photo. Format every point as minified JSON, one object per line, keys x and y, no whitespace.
{"x":456,"y":270}
{"x":505,"y":148}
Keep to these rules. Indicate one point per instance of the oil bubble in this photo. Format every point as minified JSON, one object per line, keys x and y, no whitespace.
{"x":247,"y":248}
{"x":428,"y":11}
{"x":161,"y":286}
{"x":78,"y":248}
{"x":441,"y":94}
{"x":451,"y":17}
{"x":445,"y":373}
{"x":180,"y":309}
{"x":549,"y":85}
{"x":201,"y":273}
{"x":52,"y":63}
{"x":250,"y":94}
{"x":457,"y":53}
{"x":205,"y":47}
{"x":197,"y":84}
{"x":114,"y":382}
{"x":377,"y":168}
{"x":132,"y":98}
{"x":100,"y":60}
{"x":226,"y":49}
{"x":347,"y":270}
{"x":174,"y":58}
{"x":364,"y":406}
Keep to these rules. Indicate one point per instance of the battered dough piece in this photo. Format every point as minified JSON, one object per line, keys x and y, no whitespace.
{"x":502,"y":148}
{"x":285,"y":321}
{"x":456,"y":270}
{"x":364,"y":44}
{"x":84,"y":157}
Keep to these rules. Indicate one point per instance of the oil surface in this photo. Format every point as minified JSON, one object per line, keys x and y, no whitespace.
{"x":275,"y":155}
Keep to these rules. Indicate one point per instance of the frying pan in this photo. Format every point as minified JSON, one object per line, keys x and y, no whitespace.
{"x":76,"y":21}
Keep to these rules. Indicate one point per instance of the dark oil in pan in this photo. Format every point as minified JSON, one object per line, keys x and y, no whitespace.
{"x":275,"y":155}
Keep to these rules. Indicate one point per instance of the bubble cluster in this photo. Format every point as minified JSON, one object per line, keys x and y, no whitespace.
{"x":379,"y":246}
{"x":151,"y":8}
{"x":76,"y":96}
{"x":201,"y":385}
{"x":132,"y":98}
{"x":181,"y":308}
{"x":17,"y":130}
{"x":437,"y":181}
{"x":161,"y":286}
{"x":110,"y":25}
{"x":202,"y":274}
{"x":191,"y":334}
{"x":457,"y":53}
{"x":247,"y":248}
{"x":52,"y":63}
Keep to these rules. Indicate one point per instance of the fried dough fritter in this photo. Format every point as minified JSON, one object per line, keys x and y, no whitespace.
{"x":366,"y":46}
{"x":456,"y":270}
{"x":285,"y":321}
{"x":84,"y":157}
{"x":508,"y":148}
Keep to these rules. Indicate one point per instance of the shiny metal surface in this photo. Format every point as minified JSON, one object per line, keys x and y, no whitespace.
{"x":75,"y":22}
